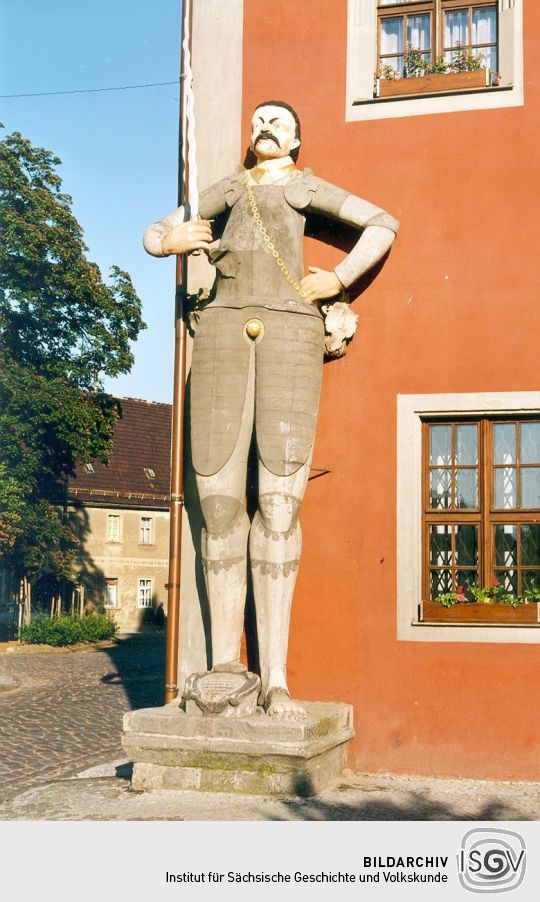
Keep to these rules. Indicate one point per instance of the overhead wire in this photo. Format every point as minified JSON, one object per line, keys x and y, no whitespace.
{"x":155,"y":84}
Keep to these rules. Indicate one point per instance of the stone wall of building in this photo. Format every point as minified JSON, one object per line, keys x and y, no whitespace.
{"x":124,"y":564}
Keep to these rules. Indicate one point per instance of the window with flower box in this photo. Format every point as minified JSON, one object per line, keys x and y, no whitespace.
{"x":481,"y":520}
{"x":439,"y":45}
{"x":442,"y":32}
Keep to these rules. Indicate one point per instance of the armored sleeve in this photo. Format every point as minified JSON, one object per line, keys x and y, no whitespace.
{"x":341,"y":206}
{"x":212,"y":202}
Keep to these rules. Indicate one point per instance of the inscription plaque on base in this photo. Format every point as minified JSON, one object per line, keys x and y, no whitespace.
{"x":222,"y":693}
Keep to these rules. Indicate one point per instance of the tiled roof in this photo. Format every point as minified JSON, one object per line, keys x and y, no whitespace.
{"x":141,"y":448}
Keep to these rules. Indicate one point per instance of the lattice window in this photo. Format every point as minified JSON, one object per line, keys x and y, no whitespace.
{"x":413,"y":33}
{"x":481,"y":520}
{"x":144,"y":593}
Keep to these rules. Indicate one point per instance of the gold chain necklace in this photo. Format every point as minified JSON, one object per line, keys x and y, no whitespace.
{"x":280,"y":263}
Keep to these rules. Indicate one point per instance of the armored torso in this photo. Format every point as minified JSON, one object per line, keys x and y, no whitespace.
{"x":247,"y":271}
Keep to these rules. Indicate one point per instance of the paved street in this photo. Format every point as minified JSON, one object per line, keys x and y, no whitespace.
{"x":61,"y":758}
{"x":67,"y":713}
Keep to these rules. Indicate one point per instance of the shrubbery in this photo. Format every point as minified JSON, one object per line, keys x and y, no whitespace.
{"x":68,"y":629}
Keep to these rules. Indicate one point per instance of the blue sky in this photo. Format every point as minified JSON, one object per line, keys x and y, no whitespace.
{"x":118,"y":149}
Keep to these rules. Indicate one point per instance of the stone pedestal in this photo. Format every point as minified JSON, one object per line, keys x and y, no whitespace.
{"x":258,"y":754}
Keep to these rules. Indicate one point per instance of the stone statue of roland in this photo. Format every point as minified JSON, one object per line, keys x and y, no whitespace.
{"x":257,"y":365}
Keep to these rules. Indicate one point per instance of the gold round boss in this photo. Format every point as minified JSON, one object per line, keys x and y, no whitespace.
{"x":253,"y":328}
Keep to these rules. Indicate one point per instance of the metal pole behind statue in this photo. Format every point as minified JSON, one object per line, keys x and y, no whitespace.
{"x":177,"y":450}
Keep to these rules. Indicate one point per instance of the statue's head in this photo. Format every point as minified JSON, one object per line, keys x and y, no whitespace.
{"x":275,"y":131}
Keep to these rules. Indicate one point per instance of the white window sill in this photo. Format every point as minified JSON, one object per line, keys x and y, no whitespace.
{"x":489,"y":89}
{"x":485,"y":98}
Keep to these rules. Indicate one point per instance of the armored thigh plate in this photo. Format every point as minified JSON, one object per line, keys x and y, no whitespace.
{"x":288,"y":353}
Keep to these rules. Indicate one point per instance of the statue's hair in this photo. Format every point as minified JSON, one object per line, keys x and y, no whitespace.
{"x":285,"y":106}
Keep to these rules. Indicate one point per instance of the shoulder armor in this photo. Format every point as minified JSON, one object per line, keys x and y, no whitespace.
{"x":299,"y":191}
{"x":233,"y":187}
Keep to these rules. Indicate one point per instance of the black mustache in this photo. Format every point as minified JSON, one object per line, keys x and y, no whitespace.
{"x":262,"y":135}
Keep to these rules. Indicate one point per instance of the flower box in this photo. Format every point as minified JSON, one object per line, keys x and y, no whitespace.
{"x":478,"y":612}
{"x":433,"y":84}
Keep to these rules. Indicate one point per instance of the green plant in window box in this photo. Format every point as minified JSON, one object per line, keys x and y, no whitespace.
{"x":417,"y":66}
{"x":464,"y":60}
{"x":388,"y":72}
{"x":439,"y":66}
{"x":414,"y":62}
{"x":493,"y":594}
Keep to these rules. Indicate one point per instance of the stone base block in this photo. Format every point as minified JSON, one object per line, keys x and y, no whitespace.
{"x":256,"y":755}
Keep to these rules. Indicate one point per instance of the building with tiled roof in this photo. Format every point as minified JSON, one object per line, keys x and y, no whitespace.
{"x":122,"y":510}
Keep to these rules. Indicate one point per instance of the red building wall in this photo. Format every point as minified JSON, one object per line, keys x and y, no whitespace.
{"x":454,"y":310}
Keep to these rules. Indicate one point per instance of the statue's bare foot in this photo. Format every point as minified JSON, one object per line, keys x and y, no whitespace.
{"x":278,"y":703}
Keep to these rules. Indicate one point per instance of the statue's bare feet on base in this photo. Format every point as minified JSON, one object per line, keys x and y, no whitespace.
{"x":278,"y":703}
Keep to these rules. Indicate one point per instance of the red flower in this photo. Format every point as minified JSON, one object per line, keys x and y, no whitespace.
{"x":460,"y":590}
{"x":494,"y":582}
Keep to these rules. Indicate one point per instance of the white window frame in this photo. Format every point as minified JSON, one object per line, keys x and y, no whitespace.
{"x":362,"y":63}
{"x":108,"y":537}
{"x":146,"y":535}
{"x":145,"y":591}
{"x":411,"y":409}
{"x":112,"y":582}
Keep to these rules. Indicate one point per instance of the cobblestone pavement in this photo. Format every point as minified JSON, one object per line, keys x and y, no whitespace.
{"x":102,"y":794}
{"x":61,"y":718}
{"x":67,"y":712}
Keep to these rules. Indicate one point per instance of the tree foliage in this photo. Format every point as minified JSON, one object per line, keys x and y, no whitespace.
{"x":62,"y":329}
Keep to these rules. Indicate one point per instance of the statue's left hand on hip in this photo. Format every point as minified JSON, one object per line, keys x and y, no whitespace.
{"x":320,"y":285}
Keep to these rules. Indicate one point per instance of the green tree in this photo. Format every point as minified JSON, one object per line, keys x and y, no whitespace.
{"x":62,"y":329}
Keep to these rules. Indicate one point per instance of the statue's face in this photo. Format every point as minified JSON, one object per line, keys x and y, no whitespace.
{"x":273,"y":132}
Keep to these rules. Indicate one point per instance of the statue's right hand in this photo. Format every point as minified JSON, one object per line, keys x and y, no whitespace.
{"x":187,"y":237}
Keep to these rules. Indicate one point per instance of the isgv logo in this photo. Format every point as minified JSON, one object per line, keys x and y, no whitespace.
{"x":491,"y":861}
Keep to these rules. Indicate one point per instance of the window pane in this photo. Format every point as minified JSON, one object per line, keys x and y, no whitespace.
{"x":466,"y":489}
{"x":508,"y":580}
{"x":145,"y":532}
{"x":505,"y":488}
{"x":441,"y":446}
{"x":530,"y":487}
{"x":145,"y":593}
{"x":466,"y":546}
{"x":392,"y":35}
{"x":418,"y":32}
{"x":506,"y":546}
{"x":530,"y":443}
{"x":111,"y":598}
{"x":113,"y":527}
{"x":467,"y":578}
{"x":396,"y":62}
{"x":441,"y":581}
{"x":466,"y":445}
{"x":456,"y":29}
{"x":530,"y":545}
{"x":440,"y":489}
{"x":441,"y":546}
{"x":504,"y":439}
{"x":530,"y":579}
{"x":484,"y":25}
{"x":489,"y":58}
